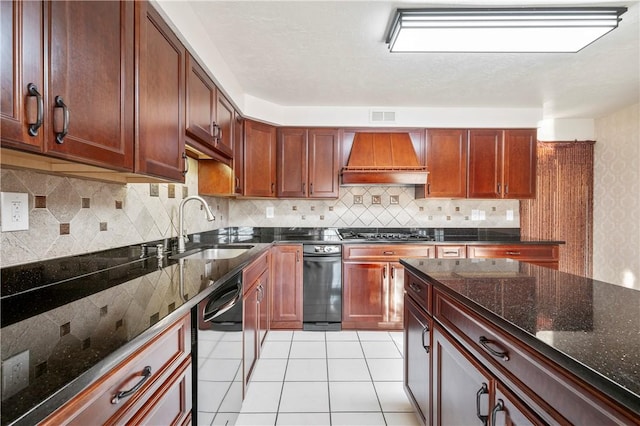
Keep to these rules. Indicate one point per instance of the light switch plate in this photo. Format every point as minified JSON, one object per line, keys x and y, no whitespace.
{"x":15,"y":374}
{"x":15,"y":211}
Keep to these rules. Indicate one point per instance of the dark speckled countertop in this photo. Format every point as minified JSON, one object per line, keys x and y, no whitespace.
{"x":81,"y":315}
{"x":590,"y":327}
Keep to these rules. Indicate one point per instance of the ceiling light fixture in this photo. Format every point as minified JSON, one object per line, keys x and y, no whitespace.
{"x":500,"y":30}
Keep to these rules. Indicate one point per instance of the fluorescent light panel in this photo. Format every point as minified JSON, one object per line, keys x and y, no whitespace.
{"x":500,"y":30}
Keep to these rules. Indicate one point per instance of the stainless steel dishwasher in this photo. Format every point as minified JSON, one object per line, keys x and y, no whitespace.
{"x":322,"y":287}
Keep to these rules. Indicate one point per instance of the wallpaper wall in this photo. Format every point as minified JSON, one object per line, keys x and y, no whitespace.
{"x":616,"y":239}
{"x":70,"y":216}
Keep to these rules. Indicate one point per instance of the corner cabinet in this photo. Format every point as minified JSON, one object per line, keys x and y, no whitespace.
{"x":502,"y":163}
{"x":152,"y":386}
{"x":259,"y":159}
{"x":307,"y":163}
{"x":286,"y":288}
{"x":160,"y":73}
{"x":79,"y":114}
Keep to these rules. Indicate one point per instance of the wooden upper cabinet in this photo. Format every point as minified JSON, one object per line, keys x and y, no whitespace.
{"x":22,"y":65}
{"x":160,"y":69}
{"x":209,"y":115}
{"x":502,"y":164}
{"x":86,"y":113}
{"x":200,"y":106}
{"x":259,"y":159}
{"x":308,"y":162}
{"x":447,"y":164}
{"x":485,"y":164}
{"x":292,"y":163}
{"x":238,"y":154}
{"x":224,"y":124}
{"x":91,"y":86}
{"x":324,"y":163}
{"x":519,"y":170}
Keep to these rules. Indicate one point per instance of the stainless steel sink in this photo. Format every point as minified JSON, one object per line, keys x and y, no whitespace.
{"x":222,"y":251}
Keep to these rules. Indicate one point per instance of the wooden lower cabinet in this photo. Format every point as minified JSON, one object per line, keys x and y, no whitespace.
{"x":462,"y":388}
{"x":286,"y":289}
{"x":255,"y":312}
{"x":538,"y":254}
{"x":163,"y":366}
{"x":417,"y":358}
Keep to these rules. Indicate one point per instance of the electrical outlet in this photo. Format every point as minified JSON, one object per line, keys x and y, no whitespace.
{"x":15,"y":211}
{"x":509,"y":214}
{"x":15,"y":374}
{"x":270,"y":212}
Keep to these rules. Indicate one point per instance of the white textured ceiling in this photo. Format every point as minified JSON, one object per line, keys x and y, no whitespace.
{"x":332,"y":53}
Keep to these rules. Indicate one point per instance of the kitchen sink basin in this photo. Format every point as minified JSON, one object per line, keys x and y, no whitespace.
{"x":214,"y":252}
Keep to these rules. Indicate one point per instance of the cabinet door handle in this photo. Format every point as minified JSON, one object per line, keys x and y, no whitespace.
{"x":273,"y":187}
{"x":415,"y":287}
{"x":33,"y":91}
{"x":59,"y":103}
{"x":297,"y":256}
{"x":499,"y":407}
{"x":499,"y":189}
{"x":428,"y":188}
{"x":388,"y":253}
{"x":512,"y":253}
{"x":310,"y":187}
{"x":425,"y":330}
{"x":186,"y":164}
{"x":393,"y":272}
{"x":450,"y":252}
{"x":483,"y":390}
{"x":506,"y":188}
{"x":503,"y":354}
{"x":146,"y":373}
{"x":304,"y":187}
{"x":384,"y":272}
{"x":237,"y":183}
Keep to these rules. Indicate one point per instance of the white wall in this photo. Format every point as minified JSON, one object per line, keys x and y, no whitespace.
{"x":616,"y":236}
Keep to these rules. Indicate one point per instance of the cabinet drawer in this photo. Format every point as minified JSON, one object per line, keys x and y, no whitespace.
{"x":556,"y":395}
{"x":419,"y":290}
{"x":252,"y":272}
{"x":451,"y":252}
{"x":163,"y":354}
{"x":389,"y":252}
{"x":546,"y":252}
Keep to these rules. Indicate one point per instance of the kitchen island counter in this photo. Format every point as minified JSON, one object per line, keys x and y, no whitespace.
{"x":587,"y":328}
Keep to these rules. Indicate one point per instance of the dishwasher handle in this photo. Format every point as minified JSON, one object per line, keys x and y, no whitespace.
{"x":223,"y":303}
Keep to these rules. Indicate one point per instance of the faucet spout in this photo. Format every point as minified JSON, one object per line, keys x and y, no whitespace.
{"x":181,"y":236}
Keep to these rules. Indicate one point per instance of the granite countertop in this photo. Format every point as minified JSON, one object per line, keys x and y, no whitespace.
{"x":96,"y":308}
{"x":590,"y":327}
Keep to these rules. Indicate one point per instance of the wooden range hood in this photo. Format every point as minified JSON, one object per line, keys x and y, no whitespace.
{"x":383,"y":159}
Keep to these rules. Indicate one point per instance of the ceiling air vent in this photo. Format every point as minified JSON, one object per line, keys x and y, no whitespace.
{"x":383,"y":117}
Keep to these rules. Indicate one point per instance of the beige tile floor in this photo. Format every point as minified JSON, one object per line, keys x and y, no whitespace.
{"x":332,"y":378}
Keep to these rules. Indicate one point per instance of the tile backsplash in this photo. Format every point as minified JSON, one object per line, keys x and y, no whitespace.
{"x":69,"y":216}
{"x":377,"y":206}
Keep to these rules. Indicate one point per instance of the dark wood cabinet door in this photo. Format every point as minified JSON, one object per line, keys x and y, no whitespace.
{"x":459,"y":382}
{"x":323,"y":163}
{"x":417,"y":358}
{"x":224,"y":122}
{"x":160,"y":69}
{"x":259,"y":160}
{"x":22,"y":64}
{"x":519,"y":163}
{"x":238,"y":154}
{"x":292,"y":163}
{"x":446,"y":163}
{"x":250,"y":332}
{"x":200,"y":104}
{"x":485,"y":164}
{"x":395,"y":304}
{"x":364,"y":294}
{"x":286,"y":289}
{"x":508,"y":410}
{"x":90,"y":71}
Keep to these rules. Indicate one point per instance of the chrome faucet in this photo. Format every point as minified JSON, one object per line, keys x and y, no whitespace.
{"x":181,"y":237}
